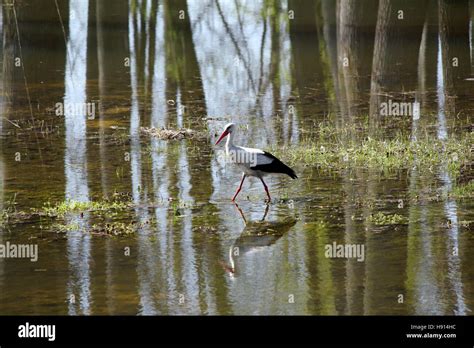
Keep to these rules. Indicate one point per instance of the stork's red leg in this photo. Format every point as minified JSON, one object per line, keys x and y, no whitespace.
{"x":241,"y":213}
{"x":266,"y":190}
{"x":240,"y":187}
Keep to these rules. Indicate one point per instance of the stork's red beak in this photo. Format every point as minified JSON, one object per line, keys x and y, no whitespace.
{"x":223,"y":135}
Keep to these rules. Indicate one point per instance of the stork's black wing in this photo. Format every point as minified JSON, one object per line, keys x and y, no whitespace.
{"x":275,"y":166}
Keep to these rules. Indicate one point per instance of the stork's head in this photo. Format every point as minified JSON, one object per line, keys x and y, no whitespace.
{"x":228,"y":129}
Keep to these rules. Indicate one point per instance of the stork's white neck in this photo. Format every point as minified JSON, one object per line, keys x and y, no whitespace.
{"x":230,"y":141}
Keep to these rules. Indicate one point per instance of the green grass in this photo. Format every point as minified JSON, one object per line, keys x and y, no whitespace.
{"x":4,"y":218}
{"x":336,"y":149}
{"x":463,"y":191}
{"x":104,"y":208}
{"x":8,"y":211}
{"x":60,"y":209}
{"x":114,"y":228}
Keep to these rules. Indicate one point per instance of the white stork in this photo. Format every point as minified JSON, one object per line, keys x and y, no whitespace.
{"x":253,"y":162}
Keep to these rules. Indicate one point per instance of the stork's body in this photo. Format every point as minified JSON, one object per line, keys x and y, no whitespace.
{"x":252,"y":162}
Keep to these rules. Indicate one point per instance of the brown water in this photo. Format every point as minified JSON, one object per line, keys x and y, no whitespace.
{"x":143,"y":64}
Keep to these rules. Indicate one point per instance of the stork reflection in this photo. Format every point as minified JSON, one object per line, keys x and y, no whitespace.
{"x":256,"y":236}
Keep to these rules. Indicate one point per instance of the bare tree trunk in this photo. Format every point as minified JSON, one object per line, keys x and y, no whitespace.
{"x":306,"y":59}
{"x":355,"y":39}
{"x":111,"y":54}
{"x":392,"y":66}
{"x":183,"y":74}
{"x":454,"y":38}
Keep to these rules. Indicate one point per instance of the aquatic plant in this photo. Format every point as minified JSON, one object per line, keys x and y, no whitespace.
{"x":8,"y":210}
{"x":381,"y":219}
{"x":114,"y":228}
{"x":60,"y":209}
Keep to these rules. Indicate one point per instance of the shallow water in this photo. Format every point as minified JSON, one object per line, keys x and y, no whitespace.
{"x":141,"y":65}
